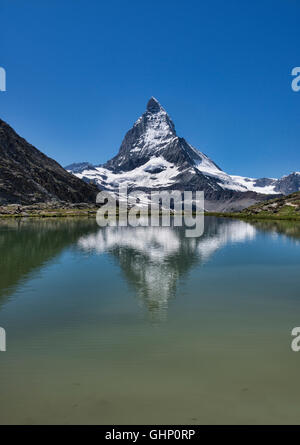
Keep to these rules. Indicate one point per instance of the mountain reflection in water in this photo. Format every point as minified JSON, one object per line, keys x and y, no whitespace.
{"x":153,"y":259}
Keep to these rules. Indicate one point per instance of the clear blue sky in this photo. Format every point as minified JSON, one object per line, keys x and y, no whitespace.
{"x":79,"y":73}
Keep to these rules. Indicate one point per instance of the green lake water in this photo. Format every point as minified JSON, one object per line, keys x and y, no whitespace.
{"x":145,"y":326}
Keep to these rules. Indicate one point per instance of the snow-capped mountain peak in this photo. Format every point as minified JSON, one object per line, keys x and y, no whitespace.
{"x":153,"y":157}
{"x":150,"y":134}
{"x":157,"y":128}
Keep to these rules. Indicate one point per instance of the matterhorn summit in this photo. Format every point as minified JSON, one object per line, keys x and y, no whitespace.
{"x":150,"y":134}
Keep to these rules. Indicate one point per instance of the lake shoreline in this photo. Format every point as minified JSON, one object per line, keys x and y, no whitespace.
{"x":91,"y":212}
{"x":253,"y":217}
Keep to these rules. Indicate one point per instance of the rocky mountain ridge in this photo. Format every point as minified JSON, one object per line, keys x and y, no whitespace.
{"x":28,"y":176}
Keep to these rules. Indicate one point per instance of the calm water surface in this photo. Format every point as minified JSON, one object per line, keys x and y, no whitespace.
{"x":143,"y":325}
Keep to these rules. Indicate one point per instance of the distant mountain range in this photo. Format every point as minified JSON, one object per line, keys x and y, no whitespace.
{"x":153,"y":157}
{"x":28,"y":176}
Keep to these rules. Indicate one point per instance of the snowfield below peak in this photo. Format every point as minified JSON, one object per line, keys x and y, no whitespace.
{"x":155,"y":173}
{"x":251,"y":184}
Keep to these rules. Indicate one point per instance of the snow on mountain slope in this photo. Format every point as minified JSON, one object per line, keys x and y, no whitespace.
{"x":155,"y":173}
{"x":254,"y":185}
{"x":207,"y":167}
{"x":238,"y":183}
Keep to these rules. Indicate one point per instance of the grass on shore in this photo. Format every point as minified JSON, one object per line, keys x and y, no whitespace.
{"x":253,"y":217}
{"x":50,"y":214}
{"x":287,"y":215}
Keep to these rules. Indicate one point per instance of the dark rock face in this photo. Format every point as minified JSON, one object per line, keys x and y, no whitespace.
{"x":263,"y":182}
{"x":288,"y":184}
{"x":153,"y":106}
{"x":285,"y":185}
{"x":28,"y":176}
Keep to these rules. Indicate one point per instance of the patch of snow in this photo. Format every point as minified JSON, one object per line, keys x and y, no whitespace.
{"x":249,"y":184}
{"x":224,"y":180}
{"x":142,"y":175}
{"x":159,"y":132}
{"x":208,"y":167}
